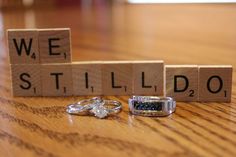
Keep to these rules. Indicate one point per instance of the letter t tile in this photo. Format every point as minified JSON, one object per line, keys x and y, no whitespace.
{"x":56,"y":80}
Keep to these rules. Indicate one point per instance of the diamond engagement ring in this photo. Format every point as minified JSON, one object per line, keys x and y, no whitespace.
{"x":152,"y":105}
{"x":82,"y":107}
{"x":97,"y":106}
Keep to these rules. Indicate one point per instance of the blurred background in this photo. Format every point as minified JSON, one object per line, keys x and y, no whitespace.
{"x":179,"y":32}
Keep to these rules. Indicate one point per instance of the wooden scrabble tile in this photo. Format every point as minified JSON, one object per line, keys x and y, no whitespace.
{"x":148,"y":77}
{"x":117,"y":78}
{"x":56,"y":80}
{"x":23,"y":46}
{"x":215,"y":83}
{"x":26,"y":80}
{"x":55,"y":45}
{"x":182,"y":82}
{"x":87,"y":78}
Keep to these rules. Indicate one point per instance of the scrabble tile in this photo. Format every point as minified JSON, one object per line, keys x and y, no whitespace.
{"x":148,"y":77}
{"x":215,"y":83}
{"x":26,"y":80}
{"x":56,"y":80}
{"x":54,"y":45}
{"x":23,"y":46}
{"x":117,"y":78}
{"x":182,"y":82}
{"x":87,"y":78}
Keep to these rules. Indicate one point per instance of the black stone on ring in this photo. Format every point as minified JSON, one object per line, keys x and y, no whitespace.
{"x":152,"y":105}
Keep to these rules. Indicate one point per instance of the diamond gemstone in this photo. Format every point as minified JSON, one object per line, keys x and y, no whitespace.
{"x":76,"y":109}
{"x":99,"y":111}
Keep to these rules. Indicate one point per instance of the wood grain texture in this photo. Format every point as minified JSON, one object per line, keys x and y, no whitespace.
{"x":177,"y":34}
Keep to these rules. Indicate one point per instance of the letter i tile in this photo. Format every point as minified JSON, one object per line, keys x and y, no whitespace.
{"x":56,"y":80}
{"x":182,"y":82}
{"x":87,"y":78}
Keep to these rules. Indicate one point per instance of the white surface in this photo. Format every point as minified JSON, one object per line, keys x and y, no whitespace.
{"x":181,"y":1}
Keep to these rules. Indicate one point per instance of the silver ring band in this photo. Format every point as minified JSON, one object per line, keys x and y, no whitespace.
{"x":97,"y":106}
{"x":117,"y":106}
{"x":152,"y":105}
{"x":82,"y":107}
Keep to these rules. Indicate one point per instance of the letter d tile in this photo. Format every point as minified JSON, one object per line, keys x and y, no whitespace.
{"x":182,"y":82}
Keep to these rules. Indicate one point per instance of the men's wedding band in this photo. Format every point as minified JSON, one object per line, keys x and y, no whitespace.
{"x":152,"y":105}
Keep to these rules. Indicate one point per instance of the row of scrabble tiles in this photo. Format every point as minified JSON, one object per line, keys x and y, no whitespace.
{"x":35,"y":46}
{"x":182,"y":82}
